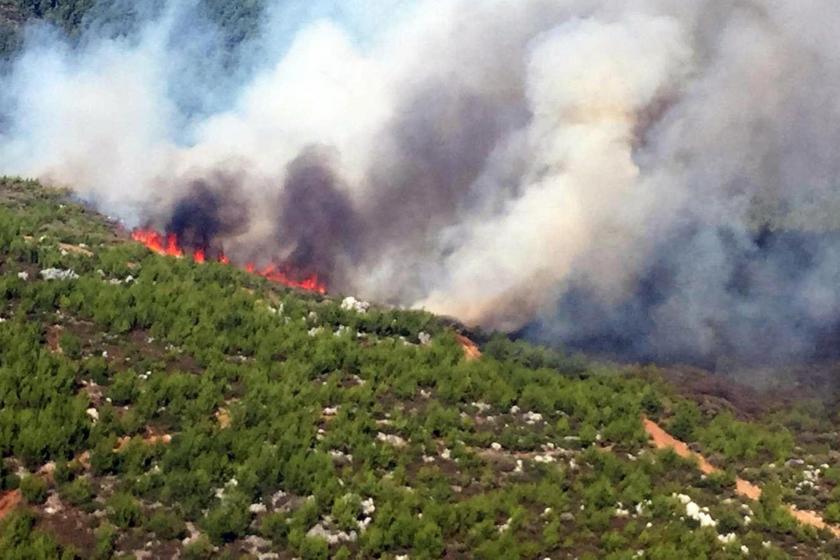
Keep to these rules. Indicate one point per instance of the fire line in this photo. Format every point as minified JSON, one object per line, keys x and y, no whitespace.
{"x":168,"y":245}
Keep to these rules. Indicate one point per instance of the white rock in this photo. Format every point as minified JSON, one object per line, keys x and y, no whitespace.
{"x":727,"y":539}
{"x":482,"y":406}
{"x":93,"y":414}
{"x":257,"y":508}
{"x":53,"y":504}
{"x":23,"y":275}
{"x":59,"y":274}
{"x":391,"y":439}
{"x":332,"y":537}
{"x":682,"y":498}
{"x":368,"y":507}
{"x":533,"y":417}
{"x":496,"y":446}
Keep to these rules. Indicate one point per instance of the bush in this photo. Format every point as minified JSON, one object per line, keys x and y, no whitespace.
{"x":71,"y":345}
{"x":166,"y":525}
{"x":685,"y":421}
{"x":275,"y":527}
{"x":123,"y":510}
{"x":200,"y":549}
{"x":78,"y":492}
{"x":832,"y":512}
{"x":19,"y":540}
{"x":314,"y":549}
{"x":8,"y":479}
{"x":123,"y":388}
{"x":34,"y":489}
{"x":106,"y":538}
{"x":346,"y":511}
{"x":228,"y":521}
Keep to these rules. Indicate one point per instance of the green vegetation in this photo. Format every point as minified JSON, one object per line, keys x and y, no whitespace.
{"x":210,"y":413}
{"x":237,"y":21}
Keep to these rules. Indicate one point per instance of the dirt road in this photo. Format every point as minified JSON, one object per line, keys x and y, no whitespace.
{"x":8,"y":502}
{"x":471,"y":350}
{"x":662,"y":439}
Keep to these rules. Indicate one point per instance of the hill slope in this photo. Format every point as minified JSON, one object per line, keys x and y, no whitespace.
{"x":156,"y":407}
{"x":236,"y":21}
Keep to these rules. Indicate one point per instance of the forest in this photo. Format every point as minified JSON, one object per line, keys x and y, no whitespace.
{"x":154,"y":407}
{"x":237,"y":21}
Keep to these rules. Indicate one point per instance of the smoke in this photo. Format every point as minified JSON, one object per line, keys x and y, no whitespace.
{"x":655,"y":179}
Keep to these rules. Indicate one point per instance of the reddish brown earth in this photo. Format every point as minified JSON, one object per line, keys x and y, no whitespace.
{"x":150,"y":439}
{"x":8,"y":502}
{"x":471,"y":350}
{"x":663,"y":440}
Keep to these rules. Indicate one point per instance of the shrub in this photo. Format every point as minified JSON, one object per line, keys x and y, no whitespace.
{"x":123,"y":388}
{"x":166,"y":525}
{"x":314,"y":549}
{"x":685,"y":421}
{"x":106,"y":537}
{"x":123,"y":510}
{"x":275,"y":527}
{"x":78,"y":492}
{"x":71,"y":345}
{"x":832,"y":512}
{"x":34,"y":489}
{"x":199,"y":549}
{"x":228,"y":521}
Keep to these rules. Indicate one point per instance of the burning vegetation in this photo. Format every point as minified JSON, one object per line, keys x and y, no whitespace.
{"x":170,"y":245}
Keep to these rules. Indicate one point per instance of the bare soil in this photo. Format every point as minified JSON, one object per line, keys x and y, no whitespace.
{"x":471,"y":350}
{"x":8,"y":502}
{"x":662,"y":440}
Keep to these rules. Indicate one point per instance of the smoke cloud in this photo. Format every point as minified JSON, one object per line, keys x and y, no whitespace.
{"x":655,"y":179}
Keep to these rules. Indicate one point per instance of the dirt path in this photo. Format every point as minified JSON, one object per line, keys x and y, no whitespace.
{"x":8,"y":502}
{"x":662,"y":439}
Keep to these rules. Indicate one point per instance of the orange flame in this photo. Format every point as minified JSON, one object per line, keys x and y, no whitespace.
{"x":169,"y":246}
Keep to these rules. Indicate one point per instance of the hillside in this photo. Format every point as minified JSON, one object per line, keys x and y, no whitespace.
{"x":237,"y":21}
{"x":152,"y":407}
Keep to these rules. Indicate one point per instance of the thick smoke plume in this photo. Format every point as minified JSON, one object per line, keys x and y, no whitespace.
{"x":654,"y":178}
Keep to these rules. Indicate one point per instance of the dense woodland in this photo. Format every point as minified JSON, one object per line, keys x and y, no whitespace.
{"x":152,"y":407}
{"x":237,"y":21}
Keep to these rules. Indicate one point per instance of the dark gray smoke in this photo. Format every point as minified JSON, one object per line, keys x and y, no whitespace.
{"x":316,"y":222}
{"x":208,"y":214}
{"x":653,"y":179}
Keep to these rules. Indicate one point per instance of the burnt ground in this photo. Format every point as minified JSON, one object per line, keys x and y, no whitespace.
{"x":752,"y":393}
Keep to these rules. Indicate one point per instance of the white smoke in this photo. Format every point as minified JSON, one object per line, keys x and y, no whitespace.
{"x":601,"y":168}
